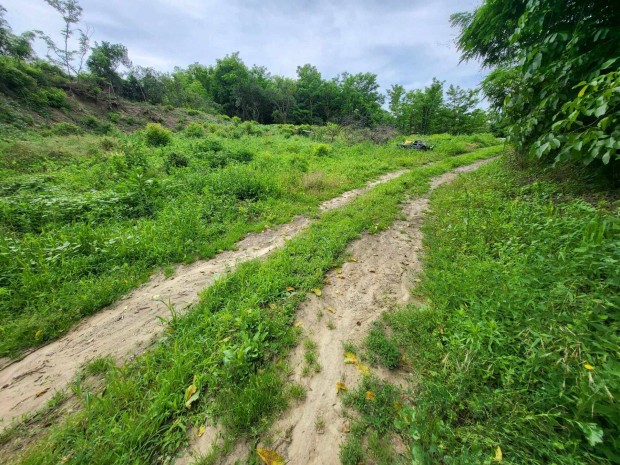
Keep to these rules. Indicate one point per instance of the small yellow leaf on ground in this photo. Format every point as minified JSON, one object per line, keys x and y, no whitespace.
{"x":331,"y":310}
{"x":317,"y":291}
{"x":339,"y":270}
{"x":290,"y":289}
{"x":498,"y":455}
{"x":588,"y":367}
{"x":299,"y":324}
{"x":270,"y":457}
{"x":201,"y":430}
{"x":350,"y":358}
{"x":340,"y":386}
{"x":370,"y":395}
{"x":38,"y":335}
{"x":363,"y":369}
{"x":353,"y":259}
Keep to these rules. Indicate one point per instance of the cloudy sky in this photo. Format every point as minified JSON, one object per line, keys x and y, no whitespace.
{"x":402,"y":41}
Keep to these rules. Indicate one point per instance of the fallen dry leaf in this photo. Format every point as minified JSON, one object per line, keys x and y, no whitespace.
{"x":370,"y":395}
{"x":270,"y":457}
{"x":341,"y":387}
{"x":201,"y":430}
{"x":372,"y":270}
{"x":352,"y":259}
{"x":588,"y":367}
{"x":41,"y":392}
{"x":299,"y":324}
{"x":363,"y":369}
{"x":498,"y":455}
{"x":317,"y":291}
{"x":339,"y":270}
{"x":290,"y":289}
{"x":346,"y":427}
{"x":350,"y":358}
{"x":331,"y":310}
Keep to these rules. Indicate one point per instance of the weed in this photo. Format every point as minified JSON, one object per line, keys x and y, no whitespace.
{"x":297,"y":391}
{"x":382,"y":347}
{"x":319,"y":424}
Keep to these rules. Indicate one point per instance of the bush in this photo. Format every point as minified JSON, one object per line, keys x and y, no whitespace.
{"x":65,"y":129}
{"x":156,"y":135}
{"x":208,"y":145}
{"x":194,"y":130}
{"x":175,"y":160}
{"x":321,"y":150}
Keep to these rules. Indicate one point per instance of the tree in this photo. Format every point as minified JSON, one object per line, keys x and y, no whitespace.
{"x":19,"y":47}
{"x":71,"y":60}
{"x":563,"y":101}
{"x":460,"y":104}
{"x":284,"y":90}
{"x":104,"y":62}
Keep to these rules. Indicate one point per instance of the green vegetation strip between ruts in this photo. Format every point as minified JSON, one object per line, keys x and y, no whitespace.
{"x":516,"y":359}
{"x":220,"y":361}
{"x":84,"y":219}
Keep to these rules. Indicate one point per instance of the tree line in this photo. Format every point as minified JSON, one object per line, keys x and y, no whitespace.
{"x":229,"y":86}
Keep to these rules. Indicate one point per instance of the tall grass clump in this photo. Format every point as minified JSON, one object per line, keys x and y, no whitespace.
{"x":518,"y":351}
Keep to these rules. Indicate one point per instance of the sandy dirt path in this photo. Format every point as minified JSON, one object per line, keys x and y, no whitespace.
{"x":379,"y":276}
{"x":128,"y":327}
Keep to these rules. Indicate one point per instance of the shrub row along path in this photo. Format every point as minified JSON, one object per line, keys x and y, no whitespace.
{"x":131,"y":325}
{"x":378,"y":276}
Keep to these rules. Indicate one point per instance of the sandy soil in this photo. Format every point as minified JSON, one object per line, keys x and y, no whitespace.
{"x":131,"y":325}
{"x":379,"y":276}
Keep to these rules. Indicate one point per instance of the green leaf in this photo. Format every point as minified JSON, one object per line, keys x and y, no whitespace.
{"x":592,"y":432}
{"x":582,"y":91}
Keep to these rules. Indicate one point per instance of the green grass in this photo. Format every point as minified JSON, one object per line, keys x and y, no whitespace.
{"x":518,"y":347}
{"x":84,"y":219}
{"x":378,"y":407}
{"x":227,"y":347}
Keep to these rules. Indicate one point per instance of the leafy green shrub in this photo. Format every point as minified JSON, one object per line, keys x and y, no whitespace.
{"x":65,"y":129}
{"x":208,"y":145}
{"x":56,"y":98}
{"x":156,"y":135}
{"x":194,"y":130}
{"x":321,"y":150}
{"x":175,"y":159}
{"x":14,"y":79}
{"x":114,"y":116}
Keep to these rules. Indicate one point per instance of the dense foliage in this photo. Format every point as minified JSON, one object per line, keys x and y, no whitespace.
{"x":562,"y":100}
{"x":428,"y":111}
{"x":518,"y":349}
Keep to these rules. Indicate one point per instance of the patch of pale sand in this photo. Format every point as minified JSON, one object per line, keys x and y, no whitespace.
{"x":128,"y":327}
{"x":382,"y":276}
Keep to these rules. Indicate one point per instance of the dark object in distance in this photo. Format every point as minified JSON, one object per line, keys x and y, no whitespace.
{"x":417,"y":145}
